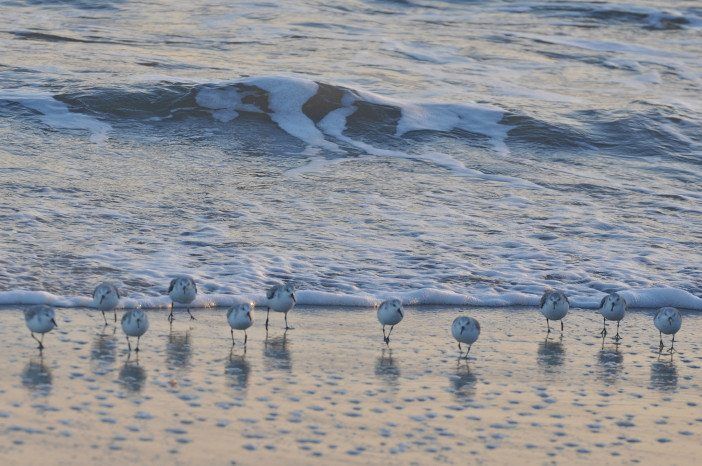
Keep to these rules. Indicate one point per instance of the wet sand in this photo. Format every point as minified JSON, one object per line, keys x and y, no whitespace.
{"x":329,"y":391}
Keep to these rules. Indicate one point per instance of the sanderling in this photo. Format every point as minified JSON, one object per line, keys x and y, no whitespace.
{"x":40,"y":319}
{"x":281,"y":298}
{"x":668,"y":320}
{"x":390,"y":313}
{"x":134,"y":324}
{"x":240,"y":317}
{"x":465,"y":330}
{"x":182,"y":290}
{"x":106,"y":298}
{"x":554,"y":306}
{"x":612,"y":307}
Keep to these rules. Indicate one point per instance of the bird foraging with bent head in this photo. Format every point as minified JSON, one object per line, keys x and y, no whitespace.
{"x":390,"y":313}
{"x":667,"y":320}
{"x":106,"y":298}
{"x":134,"y":324}
{"x":612,"y":307}
{"x":40,"y":319}
{"x":240,"y":317}
{"x":554,"y":306}
{"x":281,"y":298}
{"x":465,"y":330}
{"x":182,"y":290}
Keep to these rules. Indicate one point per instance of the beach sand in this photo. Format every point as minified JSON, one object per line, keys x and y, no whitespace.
{"x":329,"y":391}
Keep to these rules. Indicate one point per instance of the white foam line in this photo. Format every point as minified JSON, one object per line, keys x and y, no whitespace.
{"x":56,"y":114}
{"x":334,"y":124}
{"x":649,"y":298}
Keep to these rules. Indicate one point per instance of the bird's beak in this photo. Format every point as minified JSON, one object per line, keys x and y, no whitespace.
{"x":463,"y":329}
{"x":248,"y":314}
{"x":670,"y":320}
{"x":53,"y":321}
{"x":138,"y":323}
{"x":293,"y":298}
{"x":400,"y":312}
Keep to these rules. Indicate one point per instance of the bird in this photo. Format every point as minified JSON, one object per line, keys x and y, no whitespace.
{"x":135,"y":323}
{"x":105,"y":298}
{"x":465,"y":330}
{"x":390,"y":313}
{"x":667,"y":320}
{"x":554,"y":306}
{"x":612,"y":307}
{"x":40,"y":319}
{"x":281,"y":298}
{"x":182,"y":290}
{"x":240,"y":317}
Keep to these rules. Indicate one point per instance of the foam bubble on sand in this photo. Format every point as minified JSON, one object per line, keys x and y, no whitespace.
{"x":56,"y":114}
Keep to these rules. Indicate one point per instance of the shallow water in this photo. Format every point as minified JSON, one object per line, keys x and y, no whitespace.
{"x":329,"y":390}
{"x":466,"y":152}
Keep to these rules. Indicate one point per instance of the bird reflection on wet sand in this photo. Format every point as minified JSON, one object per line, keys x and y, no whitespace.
{"x":277,"y":353}
{"x":36,"y":377}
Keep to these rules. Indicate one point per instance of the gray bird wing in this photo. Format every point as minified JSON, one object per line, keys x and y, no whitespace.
{"x":271,"y":292}
{"x":543,"y":298}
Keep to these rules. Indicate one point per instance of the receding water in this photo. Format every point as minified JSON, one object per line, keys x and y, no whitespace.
{"x":445,"y":152}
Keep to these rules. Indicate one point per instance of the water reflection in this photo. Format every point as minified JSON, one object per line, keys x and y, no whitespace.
{"x":36,"y":377}
{"x":132,"y":376}
{"x":550,"y":356}
{"x":179,"y":350}
{"x":387,"y":369}
{"x":103,"y":351}
{"x":463,"y":382}
{"x":610,"y":362}
{"x":237,"y":371}
{"x":277,"y":354}
{"x":664,"y":374}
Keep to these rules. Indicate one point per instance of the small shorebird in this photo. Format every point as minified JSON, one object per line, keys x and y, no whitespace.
{"x":134,"y":324}
{"x":554,"y":306}
{"x":390,"y":313}
{"x":240,"y":317}
{"x":182,"y":290}
{"x":105,"y":298}
{"x":281,"y":298}
{"x":612,"y":307}
{"x":465,"y":330}
{"x":40,"y":319}
{"x":667,"y":320}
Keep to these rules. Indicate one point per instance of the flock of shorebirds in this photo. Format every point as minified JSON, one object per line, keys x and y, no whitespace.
{"x":281,"y":298}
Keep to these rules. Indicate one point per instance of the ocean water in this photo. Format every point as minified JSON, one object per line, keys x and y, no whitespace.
{"x":445,"y":152}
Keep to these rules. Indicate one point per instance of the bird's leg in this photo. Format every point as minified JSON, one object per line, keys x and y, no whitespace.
{"x":617,"y":337}
{"x":548,"y":327}
{"x":41,"y":345}
{"x":604,"y":327}
{"x":660,"y":347}
{"x":460,"y":350}
{"x":232,"y":332}
{"x":469,"y":346}
{"x":137,"y":348}
{"x":268,"y":312}
{"x":115,"y":315}
{"x":387,"y":340}
{"x":170,"y":316}
{"x":192,"y":317}
{"x":561,"y":326}
{"x":246,"y":338}
{"x":129,"y":345}
{"x":103,"y":316}
{"x":672,"y":350}
{"x":287,"y":327}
